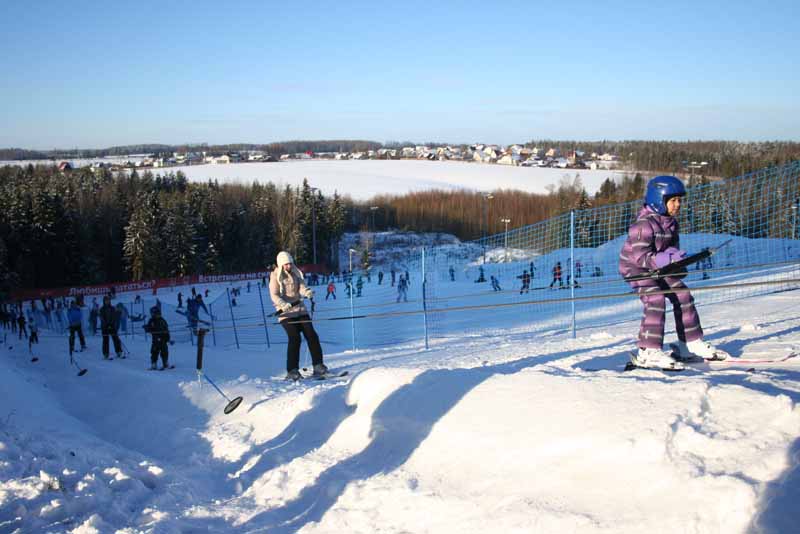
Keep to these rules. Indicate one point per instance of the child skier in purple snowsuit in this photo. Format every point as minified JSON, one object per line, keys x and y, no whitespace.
{"x":653,"y":243}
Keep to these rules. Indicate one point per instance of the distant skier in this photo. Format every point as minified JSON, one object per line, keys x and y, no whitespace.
{"x":380,"y":277}
{"x":193,"y":307}
{"x":331,"y":291}
{"x":653,"y":243}
{"x":452,"y":274}
{"x":158,"y":329}
{"x":402,"y":289}
{"x":93,"y":316}
{"x":557,"y":275}
{"x":75,"y":319}
{"x":33,"y":327}
{"x":122,"y":312}
{"x":359,"y":286}
{"x":109,"y":326}
{"x":495,"y":283}
{"x":180,"y":299}
{"x":21,"y":325}
{"x":393,"y":276}
{"x":287,"y":290}
{"x":526,"y":282}
{"x":481,"y":275}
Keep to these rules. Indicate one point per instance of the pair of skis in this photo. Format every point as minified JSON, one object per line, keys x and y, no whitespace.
{"x":716,"y":364}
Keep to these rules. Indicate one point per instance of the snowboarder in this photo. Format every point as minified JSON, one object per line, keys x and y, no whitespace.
{"x":287,"y":290}
{"x":526,"y":282}
{"x":158,"y":329}
{"x":653,"y":243}
{"x":109,"y":326}
{"x":75,"y":319}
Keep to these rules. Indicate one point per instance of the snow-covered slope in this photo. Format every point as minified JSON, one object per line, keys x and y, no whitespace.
{"x":508,"y":433}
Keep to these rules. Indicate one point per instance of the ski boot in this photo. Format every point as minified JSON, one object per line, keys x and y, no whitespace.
{"x":697,"y":350}
{"x":294,"y":375}
{"x":652,"y":358}
{"x":320,"y":370}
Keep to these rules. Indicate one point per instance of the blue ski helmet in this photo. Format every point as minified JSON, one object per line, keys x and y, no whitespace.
{"x":660,"y":189}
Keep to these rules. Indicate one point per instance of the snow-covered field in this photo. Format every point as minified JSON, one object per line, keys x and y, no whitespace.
{"x":503,"y":433}
{"x":364,"y":179}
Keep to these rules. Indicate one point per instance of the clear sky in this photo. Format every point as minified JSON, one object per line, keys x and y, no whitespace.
{"x":97,"y":74}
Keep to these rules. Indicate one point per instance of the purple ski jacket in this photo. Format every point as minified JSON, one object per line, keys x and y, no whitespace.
{"x":650,"y":234}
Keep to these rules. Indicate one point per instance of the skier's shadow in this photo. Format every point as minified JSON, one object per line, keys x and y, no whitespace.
{"x":396,"y":432}
{"x":312,"y":427}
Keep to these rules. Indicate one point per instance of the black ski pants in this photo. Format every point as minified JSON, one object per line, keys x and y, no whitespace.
{"x":117,"y":343}
{"x":73,"y":329}
{"x":293,"y":329}
{"x":159,"y":347}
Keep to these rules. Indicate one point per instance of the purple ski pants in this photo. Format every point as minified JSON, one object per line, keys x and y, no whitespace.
{"x":687,"y":322}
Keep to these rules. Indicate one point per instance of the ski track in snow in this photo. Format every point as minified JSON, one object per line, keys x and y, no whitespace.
{"x":503,"y":433}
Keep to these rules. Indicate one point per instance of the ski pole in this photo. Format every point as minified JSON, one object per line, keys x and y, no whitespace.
{"x":74,"y":362}
{"x":232,"y":404}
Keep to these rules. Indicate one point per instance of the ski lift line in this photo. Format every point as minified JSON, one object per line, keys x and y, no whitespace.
{"x":533,"y":302}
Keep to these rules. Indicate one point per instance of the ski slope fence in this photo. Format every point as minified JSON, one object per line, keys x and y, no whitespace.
{"x":450,"y":291}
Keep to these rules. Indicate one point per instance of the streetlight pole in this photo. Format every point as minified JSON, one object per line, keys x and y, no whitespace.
{"x":352,"y":315}
{"x":314,"y":222}
{"x":486,"y":198}
{"x":794,"y":218}
{"x":506,"y":220}
{"x":372,"y":209}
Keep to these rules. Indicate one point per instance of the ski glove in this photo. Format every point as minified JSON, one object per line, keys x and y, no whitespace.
{"x":668,"y":256}
{"x":286,"y":306}
{"x":308,"y":293}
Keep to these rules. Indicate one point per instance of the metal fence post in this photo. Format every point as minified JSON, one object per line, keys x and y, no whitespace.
{"x":424,"y":302}
{"x":263,"y":314}
{"x":572,"y":268}
{"x":233,"y":319}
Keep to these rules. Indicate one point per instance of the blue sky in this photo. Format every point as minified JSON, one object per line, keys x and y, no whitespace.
{"x":98,"y":74}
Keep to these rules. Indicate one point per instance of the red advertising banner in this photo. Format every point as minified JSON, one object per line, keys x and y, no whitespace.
{"x":149,"y":285}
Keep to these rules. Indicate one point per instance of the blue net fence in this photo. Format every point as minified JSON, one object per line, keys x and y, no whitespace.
{"x":550,"y":276}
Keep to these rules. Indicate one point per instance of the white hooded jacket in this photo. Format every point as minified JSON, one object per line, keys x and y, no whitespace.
{"x":288,"y":289}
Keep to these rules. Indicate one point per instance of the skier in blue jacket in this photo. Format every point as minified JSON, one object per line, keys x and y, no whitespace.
{"x":75,"y":318}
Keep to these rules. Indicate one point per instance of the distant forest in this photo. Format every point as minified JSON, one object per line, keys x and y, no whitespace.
{"x":92,"y":226}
